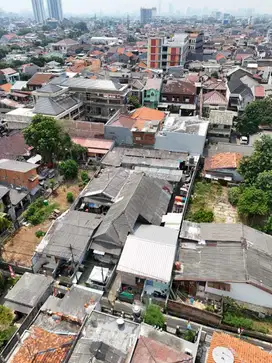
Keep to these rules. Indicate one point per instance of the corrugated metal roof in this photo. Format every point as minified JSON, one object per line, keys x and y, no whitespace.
{"x":147,"y":251}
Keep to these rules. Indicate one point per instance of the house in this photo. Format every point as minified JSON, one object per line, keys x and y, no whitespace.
{"x":222,"y":147}
{"x":152,"y":92}
{"x":240,"y":94}
{"x":223,"y":166}
{"x":29,"y":69}
{"x":65,"y":46}
{"x":18,"y":173}
{"x":29,"y":292}
{"x":38,"y":80}
{"x":146,"y":250}
{"x":180,"y":96}
{"x":182,"y":134}
{"x":18,"y":86}
{"x":105,"y":338}
{"x":213,"y":84}
{"x":236,"y":349}
{"x":7,"y":38}
{"x":220,"y":125}
{"x":97,"y":148}
{"x":13,"y":146}
{"x":138,"y":127}
{"x":9,"y":75}
{"x":258,"y":92}
{"x":221,"y":259}
{"x":214,"y":101}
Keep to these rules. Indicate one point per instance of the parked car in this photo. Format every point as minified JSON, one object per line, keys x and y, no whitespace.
{"x":44,"y":174}
{"x":244,"y":140}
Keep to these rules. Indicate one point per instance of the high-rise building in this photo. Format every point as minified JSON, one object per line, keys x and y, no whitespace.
{"x":147,"y":14}
{"x":164,"y":53}
{"x":55,"y":9}
{"x":38,"y":11}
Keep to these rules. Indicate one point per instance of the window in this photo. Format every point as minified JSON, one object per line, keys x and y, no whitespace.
{"x":138,"y":138}
{"x":219,"y":286}
{"x":164,"y":56}
{"x":164,"y":49}
{"x":186,"y":100}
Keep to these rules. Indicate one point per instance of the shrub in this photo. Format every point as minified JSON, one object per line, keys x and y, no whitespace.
{"x":84,"y":177}
{"x":39,"y":234}
{"x":202,"y":216}
{"x":210,"y":308}
{"x":68,"y":169}
{"x":238,"y":321}
{"x":70,"y":197}
{"x":189,"y":335}
{"x":154,"y":316}
{"x":233,"y":195}
{"x":36,"y":218}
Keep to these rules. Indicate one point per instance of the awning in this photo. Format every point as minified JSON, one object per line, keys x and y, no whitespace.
{"x":97,"y":151}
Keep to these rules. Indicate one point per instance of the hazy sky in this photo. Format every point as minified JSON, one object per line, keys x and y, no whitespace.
{"x":124,"y":6}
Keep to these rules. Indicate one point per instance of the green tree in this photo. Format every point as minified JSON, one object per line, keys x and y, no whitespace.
{"x":68,"y":169}
{"x":46,"y":136}
{"x":256,"y":113}
{"x":154,"y":316}
{"x":6,"y":317}
{"x":5,"y":223}
{"x":84,"y":177}
{"x":264,"y":181}
{"x":133,"y":100}
{"x":253,"y":202}
{"x":81,"y":26}
{"x":251,"y":166}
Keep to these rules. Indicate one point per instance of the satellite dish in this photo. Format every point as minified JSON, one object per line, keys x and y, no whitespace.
{"x":222,"y":355}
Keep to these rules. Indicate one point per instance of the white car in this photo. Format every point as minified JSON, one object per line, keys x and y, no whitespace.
{"x":244,"y":140}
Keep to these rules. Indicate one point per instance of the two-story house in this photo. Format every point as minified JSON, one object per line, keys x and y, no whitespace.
{"x":180,"y":96}
{"x":152,"y":91}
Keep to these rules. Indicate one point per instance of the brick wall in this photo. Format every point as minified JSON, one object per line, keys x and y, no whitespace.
{"x":19,"y":179}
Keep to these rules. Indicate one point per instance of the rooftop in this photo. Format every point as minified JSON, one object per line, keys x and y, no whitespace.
{"x":39,"y":79}
{"x":99,"y":144}
{"x":214,"y":98}
{"x":17,"y":166}
{"x":94,"y":85}
{"x":153,"y":83}
{"x":217,"y":117}
{"x":241,"y":350}
{"x":226,"y":160}
{"x":178,"y":86}
{"x":73,"y":229}
{"x":12,"y":146}
{"x":147,"y":250}
{"x":106,"y":341}
{"x":27,"y":292}
{"x":186,"y":125}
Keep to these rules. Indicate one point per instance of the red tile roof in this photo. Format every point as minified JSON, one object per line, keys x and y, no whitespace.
{"x":40,"y":341}
{"x":93,"y":143}
{"x":150,"y":351}
{"x":38,"y":79}
{"x":259,"y":91}
{"x":148,"y":114}
{"x":8,"y":71}
{"x":223,"y":161}
{"x":242,"y":351}
{"x":6,"y":87}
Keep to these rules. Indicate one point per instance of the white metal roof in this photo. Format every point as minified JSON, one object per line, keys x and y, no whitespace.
{"x":150,"y":253}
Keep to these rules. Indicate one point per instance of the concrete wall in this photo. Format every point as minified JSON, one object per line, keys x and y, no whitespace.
{"x":19,"y":179}
{"x":121,"y":135}
{"x":245,"y":292}
{"x":175,"y":141}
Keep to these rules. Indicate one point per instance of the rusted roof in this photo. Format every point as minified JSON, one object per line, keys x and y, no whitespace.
{"x":223,"y":161}
{"x":150,"y":351}
{"x":38,"y":79}
{"x":242,"y":351}
{"x":6,"y":87}
{"x":101,"y":144}
{"x":148,"y":114}
{"x":177,"y":86}
{"x":214,"y":98}
{"x":42,"y":346}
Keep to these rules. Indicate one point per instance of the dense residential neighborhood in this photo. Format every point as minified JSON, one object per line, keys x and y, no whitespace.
{"x":135,"y":185}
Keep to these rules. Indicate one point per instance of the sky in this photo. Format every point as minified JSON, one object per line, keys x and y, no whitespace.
{"x":124,"y":6}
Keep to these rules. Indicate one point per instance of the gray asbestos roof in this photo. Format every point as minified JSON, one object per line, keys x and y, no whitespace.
{"x":3,"y":191}
{"x":221,"y":117}
{"x":245,"y":150}
{"x":19,"y":166}
{"x":49,"y":88}
{"x":49,"y":106}
{"x":119,"y":156}
{"x":28,"y":291}
{"x":238,"y":253}
{"x":72,"y":228}
{"x":141,"y":196}
{"x":173,"y":176}
{"x":93,"y":84}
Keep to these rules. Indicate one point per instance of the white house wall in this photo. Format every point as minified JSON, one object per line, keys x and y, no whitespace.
{"x":245,"y":292}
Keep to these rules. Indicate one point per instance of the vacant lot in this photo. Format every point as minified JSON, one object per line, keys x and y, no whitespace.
{"x":213,"y":196}
{"x":20,"y":247}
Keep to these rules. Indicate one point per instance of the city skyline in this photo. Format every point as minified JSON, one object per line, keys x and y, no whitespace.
{"x":70,"y":7}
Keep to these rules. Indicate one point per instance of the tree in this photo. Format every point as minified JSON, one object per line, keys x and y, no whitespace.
{"x":5,"y":223}
{"x":256,"y":113}
{"x":251,"y":166}
{"x":133,"y":100}
{"x":84,"y":177}
{"x":264,"y":181}
{"x":215,"y":75}
{"x":68,"y":168}
{"x":82,"y":26}
{"x":154,"y":316}
{"x":253,"y":202}
{"x":46,"y":136}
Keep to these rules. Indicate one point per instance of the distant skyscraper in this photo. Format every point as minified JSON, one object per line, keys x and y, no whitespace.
{"x":146,"y":15}
{"x":55,"y":9}
{"x":38,"y":11}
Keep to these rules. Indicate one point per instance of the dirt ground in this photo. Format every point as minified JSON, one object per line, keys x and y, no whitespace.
{"x":20,"y":247}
